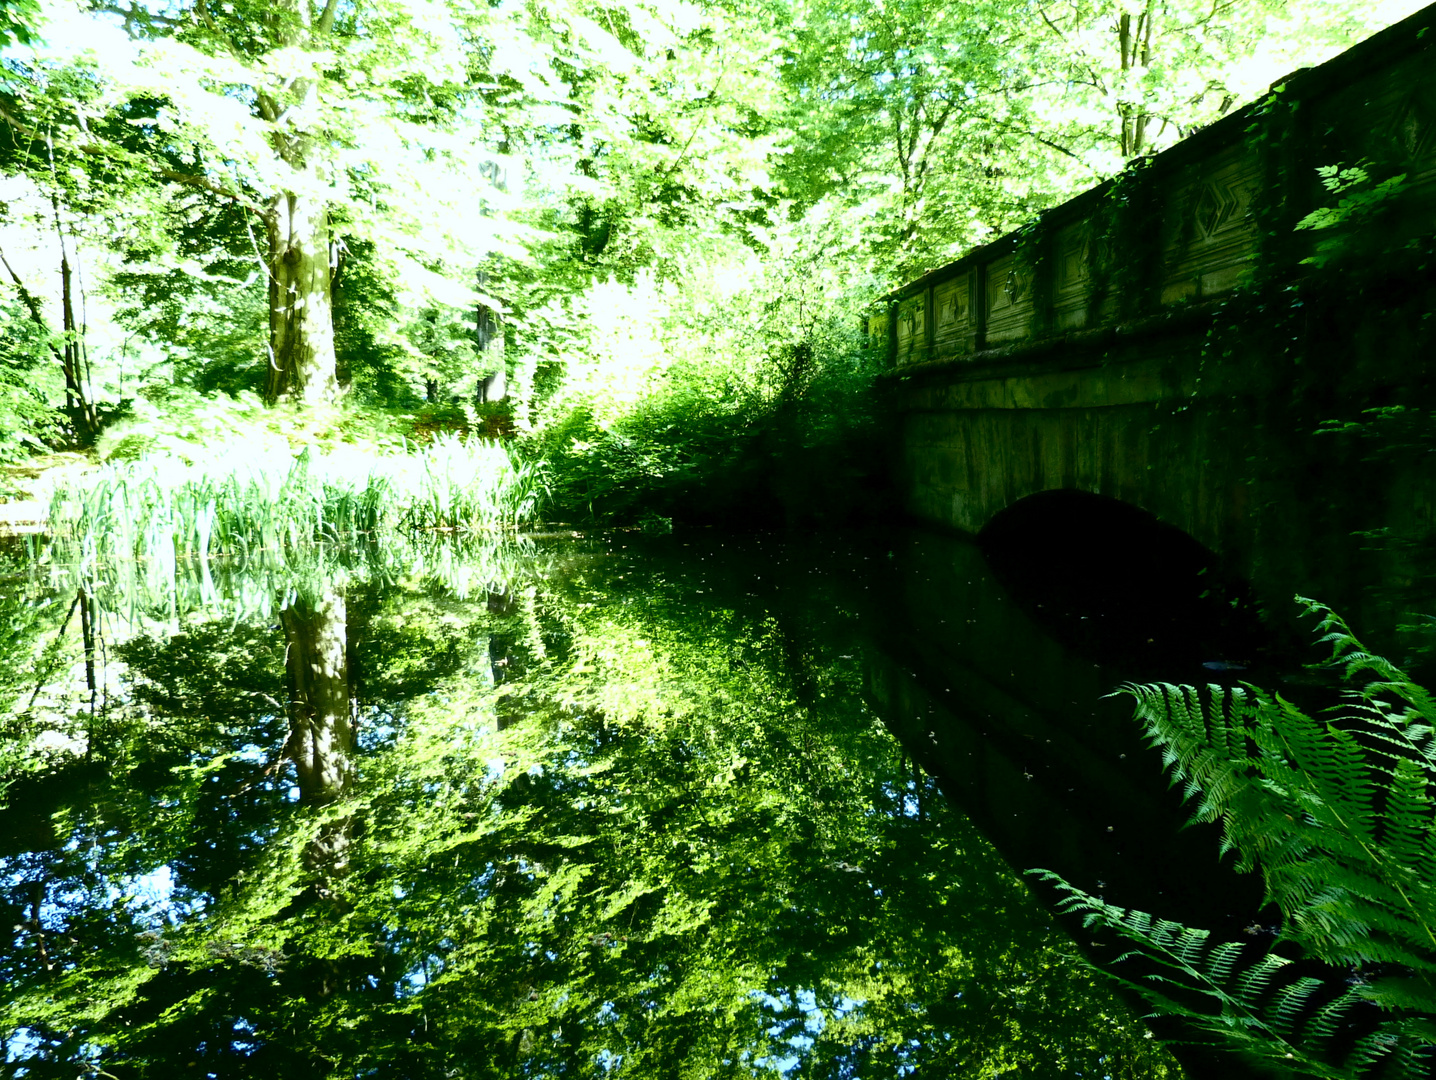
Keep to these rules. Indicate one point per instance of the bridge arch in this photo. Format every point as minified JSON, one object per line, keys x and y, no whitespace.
{"x":1115,"y":582}
{"x":966,"y":461}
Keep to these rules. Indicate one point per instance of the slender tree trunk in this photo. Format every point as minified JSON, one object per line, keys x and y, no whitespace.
{"x":87,"y":635}
{"x":1135,"y":43}
{"x":503,"y":662}
{"x":1126,"y":109}
{"x":77,"y":404}
{"x":302,"y":363}
{"x":489,"y":337}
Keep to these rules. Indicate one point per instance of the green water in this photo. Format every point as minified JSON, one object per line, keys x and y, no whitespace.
{"x":606,"y":806}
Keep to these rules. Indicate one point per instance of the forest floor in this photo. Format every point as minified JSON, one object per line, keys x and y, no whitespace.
{"x":27,"y":487}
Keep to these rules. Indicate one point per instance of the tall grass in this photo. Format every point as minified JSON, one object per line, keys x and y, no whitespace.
{"x":241,"y":500}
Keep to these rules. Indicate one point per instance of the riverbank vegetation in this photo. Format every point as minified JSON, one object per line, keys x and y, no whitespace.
{"x":233,"y":497}
{"x":634,"y":244}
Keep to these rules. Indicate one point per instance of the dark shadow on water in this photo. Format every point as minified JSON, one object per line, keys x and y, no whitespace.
{"x":996,"y":664}
{"x":1114,"y":584}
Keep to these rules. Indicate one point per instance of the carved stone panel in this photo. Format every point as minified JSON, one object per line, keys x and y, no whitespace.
{"x":1399,"y":114}
{"x":1009,"y":300}
{"x":1209,"y":237}
{"x":1388,"y":118}
{"x":1385,"y":120}
{"x":1072,"y":279}
{"x":877,"y":332}
{"x":1413,"y":132}
{"x":912,"y":329}
{"x":952,"y":304}
{"x":1186,"y":226}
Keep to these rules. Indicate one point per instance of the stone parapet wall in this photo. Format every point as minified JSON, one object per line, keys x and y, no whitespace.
{"x":1193,"y":223}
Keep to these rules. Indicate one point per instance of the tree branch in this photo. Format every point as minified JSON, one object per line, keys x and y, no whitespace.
{"x":1053,"y":27}
{"x":96,"y":148}
{"x":1046,"y":142}
{"x":202,"y":182}
{"x":702,"y":119}
{"x":326,"y":18}
{"x":213,"y":27}
{"x":26,"y":296}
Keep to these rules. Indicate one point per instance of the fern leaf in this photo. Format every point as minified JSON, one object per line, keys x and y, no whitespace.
{"x":1402,"y":992}
{"x":1406,"y":836}
{"x":1337,"y":814}
{"x":1292,"y":1005}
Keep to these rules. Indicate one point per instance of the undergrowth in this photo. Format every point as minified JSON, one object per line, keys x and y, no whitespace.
{"x":710,"y":446}
{"x":180,"y":422}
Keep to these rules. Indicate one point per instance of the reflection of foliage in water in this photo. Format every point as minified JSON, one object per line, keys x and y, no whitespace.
{"x":21,"y":624}
{"x":594,"y":830}
{"x":61,"y":622}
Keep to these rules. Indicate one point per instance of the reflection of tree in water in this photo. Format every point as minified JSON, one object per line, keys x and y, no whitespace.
{"x":321,"y":728}
{"x":573,"y":827}
{"x":321,"y":722}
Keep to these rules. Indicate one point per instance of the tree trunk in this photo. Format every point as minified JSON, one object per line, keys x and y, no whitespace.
{"x":489,"y":337}
{"x":321,"y":739}
{"x":77,"y":405}
{"x":77,"y":402}
{"x":506,"y":661}
{"x":1135,"y":43}
{"x":302,"y":364}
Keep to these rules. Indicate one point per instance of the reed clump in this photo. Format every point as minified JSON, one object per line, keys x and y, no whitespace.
{"x":240,"y":498}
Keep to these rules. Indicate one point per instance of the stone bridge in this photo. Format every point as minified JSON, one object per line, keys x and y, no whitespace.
{"x":1173,"y":341}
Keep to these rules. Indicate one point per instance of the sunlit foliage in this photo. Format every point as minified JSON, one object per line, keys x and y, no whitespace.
{"x":666,"y":165}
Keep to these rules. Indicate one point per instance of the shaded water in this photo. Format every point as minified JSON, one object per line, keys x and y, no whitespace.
{"x":691,"y":805}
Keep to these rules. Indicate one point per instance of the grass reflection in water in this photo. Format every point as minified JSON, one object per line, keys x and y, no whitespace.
{"x":578,"y":820}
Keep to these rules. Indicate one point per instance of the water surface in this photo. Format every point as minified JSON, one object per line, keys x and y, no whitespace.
{"x":692,"y":805}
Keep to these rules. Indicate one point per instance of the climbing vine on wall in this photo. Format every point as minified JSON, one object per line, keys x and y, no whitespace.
{"x":1123,"y":250}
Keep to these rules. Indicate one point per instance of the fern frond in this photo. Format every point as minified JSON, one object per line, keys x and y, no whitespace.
{"x":1356,"y":660}
{"x":1390,"y":1051}
{"x":1338,"y":813}
{"x":1260,"y":1004}
{"x":1406,"y":834}
{"x":1403,"y":992}
{"x":1341,"y":832}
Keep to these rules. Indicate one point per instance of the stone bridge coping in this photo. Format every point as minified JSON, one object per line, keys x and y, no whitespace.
{"x":1189,"y":224}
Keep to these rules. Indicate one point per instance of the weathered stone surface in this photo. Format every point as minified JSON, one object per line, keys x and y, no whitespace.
{"x":1190,"y":217}
{"x":1165,"y":360}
